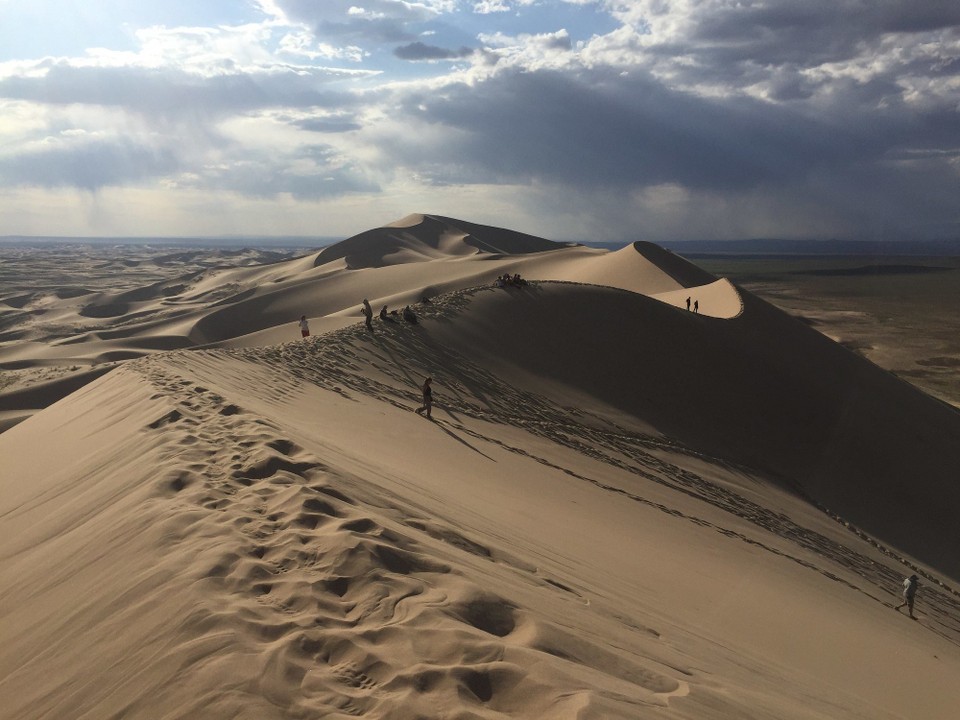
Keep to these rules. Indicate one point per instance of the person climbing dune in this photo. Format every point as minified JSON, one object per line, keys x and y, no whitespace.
{"x":909,"y":592}
{"x":427,"y":392}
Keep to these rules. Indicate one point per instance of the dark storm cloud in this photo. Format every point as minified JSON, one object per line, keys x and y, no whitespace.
{"x":599,"y":131}
{"x":603,"y":129}
{"x":327,"y":125}
{"x":420,"y":51}
{"x":812,"y":32}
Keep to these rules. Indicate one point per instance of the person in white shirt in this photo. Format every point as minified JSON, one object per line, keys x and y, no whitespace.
{"x":909,"y":590}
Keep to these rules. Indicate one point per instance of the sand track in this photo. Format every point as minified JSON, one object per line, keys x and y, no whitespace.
{"x":328,"y":593}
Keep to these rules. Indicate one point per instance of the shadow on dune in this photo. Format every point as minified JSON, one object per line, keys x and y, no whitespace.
{"x":46,"y":393}
{"x":761,"y":389}
{"x":681,"y":271}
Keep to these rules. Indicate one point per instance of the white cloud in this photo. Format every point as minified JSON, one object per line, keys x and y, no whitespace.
{"x":532,"y":52}
{"x":304,"y":44}
{"x":491,"y":6}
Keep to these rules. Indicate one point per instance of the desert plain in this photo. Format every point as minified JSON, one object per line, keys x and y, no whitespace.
{"x":620,"y":508}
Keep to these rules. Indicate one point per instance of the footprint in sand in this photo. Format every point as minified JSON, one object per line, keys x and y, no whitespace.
{"x":284,"y":447}
{"x":180,"y":481}
{"x":171,"y":417}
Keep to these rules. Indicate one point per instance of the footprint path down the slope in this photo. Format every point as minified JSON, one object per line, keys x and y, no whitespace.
{"x":344,"y":603}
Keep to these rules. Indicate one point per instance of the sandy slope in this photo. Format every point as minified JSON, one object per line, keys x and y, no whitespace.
{"x":762,"y":389}
{"x":272,"y":533}
{"x":608,"y":516}
{"x":52,"y":332}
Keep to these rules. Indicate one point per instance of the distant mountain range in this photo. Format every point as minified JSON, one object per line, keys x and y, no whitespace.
{"x":278,"y":241}
{"x":767,"y":246}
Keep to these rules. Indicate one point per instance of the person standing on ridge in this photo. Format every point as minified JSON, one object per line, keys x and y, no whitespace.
{"x":304,"y":327}
{"x":427,"y":398}
{"x":696,"y":306}
{"x":909,"y":591}
{"x":368,"y":313}
{"x":688,"y":303}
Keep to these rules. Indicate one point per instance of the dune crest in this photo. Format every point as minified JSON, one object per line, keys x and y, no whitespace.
{"x":718,"y":299}
{"x":192,"y":299}
{"x":430,"y":237}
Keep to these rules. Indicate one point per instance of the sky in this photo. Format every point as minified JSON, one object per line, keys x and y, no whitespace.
{"x":596,"y":120}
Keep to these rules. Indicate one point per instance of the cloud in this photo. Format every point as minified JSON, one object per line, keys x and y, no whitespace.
{"x":837,"y":116}
{"x":93,"y":161}
{"x":170,"y":92}
{"x":95,"y":127}
{"x":599,"y":131}
{"x":485,"y":7}
{"x":600,"y":128}
{"x":314,"y":171}
{"x":75,"y":160}
{"x":420,"y":51}
{"x":378,"y":21}
{"x":327,"y":124}
{"x":782,"y":49}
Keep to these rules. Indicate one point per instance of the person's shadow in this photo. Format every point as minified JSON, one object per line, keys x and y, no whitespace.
{"x":459,"y":439}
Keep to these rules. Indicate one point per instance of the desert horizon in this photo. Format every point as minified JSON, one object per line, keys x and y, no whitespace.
{"x":649,"y":486}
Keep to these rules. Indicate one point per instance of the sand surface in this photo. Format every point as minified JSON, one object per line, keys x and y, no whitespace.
{"x":898,"y":312}
{"x":619,"y":509}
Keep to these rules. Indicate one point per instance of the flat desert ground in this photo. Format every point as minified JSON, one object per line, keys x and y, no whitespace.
{"x":619,"y":508}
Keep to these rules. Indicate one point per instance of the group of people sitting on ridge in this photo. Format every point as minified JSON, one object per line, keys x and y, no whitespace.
{"x":508,"y":280}
{"x":390,"y":316}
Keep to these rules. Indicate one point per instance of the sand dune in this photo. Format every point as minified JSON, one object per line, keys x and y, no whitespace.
{"x":617,"y":510}
{"x":255,"y":304}
{"x":429,"y":237}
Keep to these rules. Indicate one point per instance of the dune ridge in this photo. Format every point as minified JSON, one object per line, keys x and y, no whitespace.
{"x":619,"y":509}
{"x":253,"y":304}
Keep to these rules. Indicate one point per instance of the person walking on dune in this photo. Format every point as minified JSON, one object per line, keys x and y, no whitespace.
{"x":304,"y":327}
{"x":427,"y":398}
{"x":688,"y":303}
{"x":368,"y":313}
{"x":909,"y":591}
